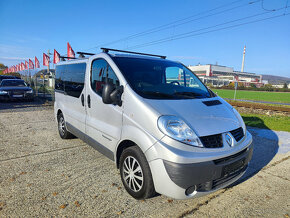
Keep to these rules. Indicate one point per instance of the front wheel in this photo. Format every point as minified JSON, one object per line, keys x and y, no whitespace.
{"x":135,"y":173}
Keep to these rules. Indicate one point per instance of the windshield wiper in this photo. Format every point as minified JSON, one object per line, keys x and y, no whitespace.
{"x":158,"y":94}
{"x":187,"y":94}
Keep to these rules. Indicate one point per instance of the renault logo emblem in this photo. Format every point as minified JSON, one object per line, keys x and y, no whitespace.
{"x":229,"y":139}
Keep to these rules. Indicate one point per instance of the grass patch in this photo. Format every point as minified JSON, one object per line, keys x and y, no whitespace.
{"x":283,"y":97}
{"x":279,"y":123}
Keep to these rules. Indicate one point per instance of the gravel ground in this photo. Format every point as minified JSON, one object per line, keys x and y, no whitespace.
{"x":43,"y":175}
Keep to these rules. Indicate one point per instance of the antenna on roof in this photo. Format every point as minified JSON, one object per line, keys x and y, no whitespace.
{"x":106,"y":50}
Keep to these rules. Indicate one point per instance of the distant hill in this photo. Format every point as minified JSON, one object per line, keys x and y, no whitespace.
{"x":276,"y":79}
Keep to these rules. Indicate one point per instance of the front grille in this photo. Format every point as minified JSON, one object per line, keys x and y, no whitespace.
{"x":208,"y":186}
{"x":18,"y":92}
{"x":212,"y":141}
{"x":229,"y":158}
{"x":238,"y":134}
{"x":218,"y":182}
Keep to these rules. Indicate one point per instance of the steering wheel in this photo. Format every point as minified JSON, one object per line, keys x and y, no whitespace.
{"x":175,"y":81}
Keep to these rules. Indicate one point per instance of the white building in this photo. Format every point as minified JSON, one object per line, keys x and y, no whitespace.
{"x":222,"y":75}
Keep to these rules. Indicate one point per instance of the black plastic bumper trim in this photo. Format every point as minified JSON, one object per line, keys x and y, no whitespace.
{"x":186,"y":175}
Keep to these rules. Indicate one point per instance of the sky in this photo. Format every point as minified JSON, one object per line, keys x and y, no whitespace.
{"x":216,"y":30}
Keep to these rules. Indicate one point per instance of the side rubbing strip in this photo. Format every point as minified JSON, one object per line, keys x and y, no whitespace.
{"x":96,"y":145}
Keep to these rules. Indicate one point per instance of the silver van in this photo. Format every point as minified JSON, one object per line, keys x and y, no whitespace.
{"x":164,"y":129}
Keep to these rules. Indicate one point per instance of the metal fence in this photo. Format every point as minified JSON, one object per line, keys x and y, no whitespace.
{"x":43,"y":86}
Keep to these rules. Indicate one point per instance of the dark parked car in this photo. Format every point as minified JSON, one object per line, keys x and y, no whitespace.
{"x":15,"y":89}
{"x":7,"y":77}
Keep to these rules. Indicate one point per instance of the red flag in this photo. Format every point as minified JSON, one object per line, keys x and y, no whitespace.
{"x":22,"y":66}
{"x":26,"y":65}
{"x":56,"y":57}
{"x":70,"y":51}
{"x":37,"y":65}
{"x":45,"y":59}
{"x":31,"y":65}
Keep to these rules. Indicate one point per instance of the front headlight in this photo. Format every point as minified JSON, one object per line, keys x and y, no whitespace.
{"x":3,"y":92}
{"x":30,"y":91}
{"x":177,"y":129}
{"x":240,"y":120}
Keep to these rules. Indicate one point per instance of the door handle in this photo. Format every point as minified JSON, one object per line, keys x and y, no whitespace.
{"x":83,"y":100}
{"x":89,"y":101}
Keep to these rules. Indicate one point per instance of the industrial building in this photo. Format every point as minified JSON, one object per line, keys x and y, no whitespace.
{"x":221,"y":75}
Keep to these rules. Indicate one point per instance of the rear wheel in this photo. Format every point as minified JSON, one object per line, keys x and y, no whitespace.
{"x":62,"y":130}
{"x":135,"y":173}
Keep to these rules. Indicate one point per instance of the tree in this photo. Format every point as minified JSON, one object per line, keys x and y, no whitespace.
{"x":285,"y":86}
{"x":2,"y":67}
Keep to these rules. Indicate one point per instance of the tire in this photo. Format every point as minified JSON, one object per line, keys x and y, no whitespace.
{"x":62,"y":130}
{"x":138,"y":184}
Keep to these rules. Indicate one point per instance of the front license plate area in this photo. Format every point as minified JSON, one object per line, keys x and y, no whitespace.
{"x":17,"y":96}
{"x":234,"y":167}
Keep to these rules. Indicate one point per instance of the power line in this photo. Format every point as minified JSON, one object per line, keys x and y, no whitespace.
{"x":191,"y":35}
{"x":190,"y":32}
{"x":177,"y":23}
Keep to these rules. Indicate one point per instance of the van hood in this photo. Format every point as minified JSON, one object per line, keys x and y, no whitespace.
{"x":204,"y":120}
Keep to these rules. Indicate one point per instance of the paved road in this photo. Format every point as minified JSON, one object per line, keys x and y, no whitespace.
{"x":42,"y":175}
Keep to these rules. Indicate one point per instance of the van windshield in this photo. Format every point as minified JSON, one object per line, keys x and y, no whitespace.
{"x":161,"y":79}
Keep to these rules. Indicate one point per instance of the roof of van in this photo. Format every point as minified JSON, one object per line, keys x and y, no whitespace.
{"x":85,"y":60}
{"x":136,"y":56}
{"x":73,"y":61}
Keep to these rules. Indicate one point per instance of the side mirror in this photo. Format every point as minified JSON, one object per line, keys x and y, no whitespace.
{"x":116,"y":95}
{"x":112,"y":95}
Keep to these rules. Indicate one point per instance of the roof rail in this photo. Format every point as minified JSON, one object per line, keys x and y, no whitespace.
{"x":63,"y":58}
{"x":106,"y":50}
{"x":82,"y":54}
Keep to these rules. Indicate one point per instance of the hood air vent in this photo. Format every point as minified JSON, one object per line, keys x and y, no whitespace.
{"x":212,"y":103}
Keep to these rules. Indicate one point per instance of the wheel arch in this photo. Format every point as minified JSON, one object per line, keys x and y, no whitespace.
{"x":121,"y":147}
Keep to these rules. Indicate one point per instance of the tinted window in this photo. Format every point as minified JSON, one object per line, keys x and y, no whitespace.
{"x":59,"y":72}
{"x":161,"y":79}
{"x":14,"y":82}
{"x":70,"y":78}
{"x":102,"y":72}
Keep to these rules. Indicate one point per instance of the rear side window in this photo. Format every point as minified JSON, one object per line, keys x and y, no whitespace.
{"x":70,"y":79}
{"x":59,"y":72}
{"x":102,"y":72}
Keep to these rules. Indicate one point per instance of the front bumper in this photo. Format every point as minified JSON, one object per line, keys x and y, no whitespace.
{"x":10,"y":97}
{"x":178,"y":177}
{"x":208,"y":175}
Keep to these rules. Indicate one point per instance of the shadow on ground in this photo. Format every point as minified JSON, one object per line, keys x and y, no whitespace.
{"x":266,"y":146}
{"x":38,"y":102}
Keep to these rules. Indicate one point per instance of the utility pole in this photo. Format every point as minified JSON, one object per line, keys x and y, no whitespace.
{"x":48,"y":62}
{"x":48,"y":54}
{"x":243,"y":63}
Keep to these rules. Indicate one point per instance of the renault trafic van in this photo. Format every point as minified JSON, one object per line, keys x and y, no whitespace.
{"x":164,"y":129}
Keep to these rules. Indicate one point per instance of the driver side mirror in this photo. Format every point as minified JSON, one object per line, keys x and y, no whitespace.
{"x":112,"y":95}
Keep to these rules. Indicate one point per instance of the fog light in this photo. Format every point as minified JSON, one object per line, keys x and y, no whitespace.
{"x":191,"y":191}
